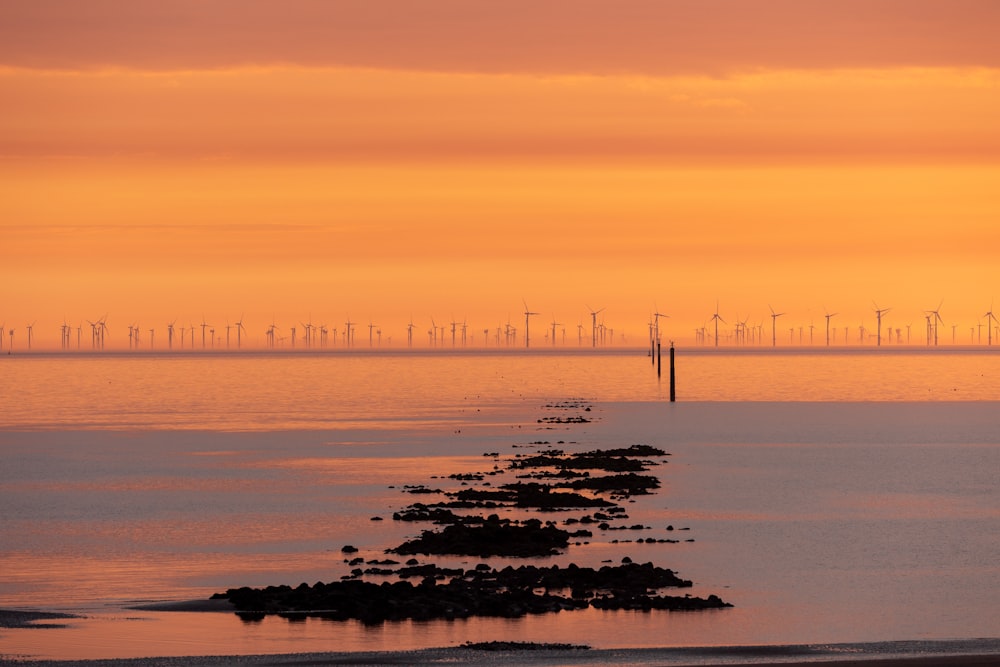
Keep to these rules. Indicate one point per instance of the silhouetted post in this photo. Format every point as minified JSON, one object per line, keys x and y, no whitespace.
{"x":657,"y":358}
{"x":673,"y":393}
{"x":652,"y":350}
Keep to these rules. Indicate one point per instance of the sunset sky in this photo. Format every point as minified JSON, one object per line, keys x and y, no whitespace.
{"x":386,"y":160}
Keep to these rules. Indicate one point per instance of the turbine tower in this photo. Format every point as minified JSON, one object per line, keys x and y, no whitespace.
{"x":717,"y":320}
{"x":240,"y":330}
{"x":204,"y":326}
{"x":593,"y":328}
{"x":878,"y":316}
{"x":933,"y":319}
{"x":774,"y":319}
{"x":349,"y":324}
{"x":828,"y":316}
{"x":554,"y":325}
{"x":527,"y":318}
{"x":656,"y":323}
{"x":990,"y":318}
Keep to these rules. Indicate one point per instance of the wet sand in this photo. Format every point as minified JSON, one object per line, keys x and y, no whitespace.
{"x":958,"y":653}
{"x":785,"y":656}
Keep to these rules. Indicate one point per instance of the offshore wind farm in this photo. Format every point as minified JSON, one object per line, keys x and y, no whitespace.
{"x":872,"y":329}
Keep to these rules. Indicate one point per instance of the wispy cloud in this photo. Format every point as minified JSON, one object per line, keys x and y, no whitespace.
{"x":525,"y":36}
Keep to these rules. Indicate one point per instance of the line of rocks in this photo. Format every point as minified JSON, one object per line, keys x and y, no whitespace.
{"x":510,"y":592}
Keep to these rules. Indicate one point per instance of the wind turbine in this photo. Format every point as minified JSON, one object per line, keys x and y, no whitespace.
{"x":204,"y":326}
{"x":310,"y":328}
{"x":240,"y":329}
{"x":103,"y":324}
{"x":933,"y":319}
{"x":990,"y":317}
{"x":170,"y":335}
{"x":717,"y":320}
{"x":774,"y":319}
{"x":29,"y":327}
{"x":593,"y":328}
{"x":656,"y":323}
{"x":828,"y":316}
{"x":63,"y":334}
{"x":554,"y":325}
{"x":271,"y":333}
{"x":409,"y":333}
{"x":527,"y":317}
{"x":878,"y":316}
{"x":348,"y":324}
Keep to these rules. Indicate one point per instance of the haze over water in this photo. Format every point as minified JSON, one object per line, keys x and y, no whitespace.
{"x":833,"y":496}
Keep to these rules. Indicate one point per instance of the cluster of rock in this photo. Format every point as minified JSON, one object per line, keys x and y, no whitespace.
{"x":559,"y":482}
{"x":482,"y":591}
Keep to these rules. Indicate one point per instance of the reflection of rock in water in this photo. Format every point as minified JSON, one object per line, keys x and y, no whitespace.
{"x":483,"y":591}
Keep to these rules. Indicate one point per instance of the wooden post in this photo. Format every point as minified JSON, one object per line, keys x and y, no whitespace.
{"x":673,"y":393}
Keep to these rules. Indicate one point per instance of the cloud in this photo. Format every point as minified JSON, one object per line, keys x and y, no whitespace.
{"x":538,"y":36}
{"x":364,"y":116}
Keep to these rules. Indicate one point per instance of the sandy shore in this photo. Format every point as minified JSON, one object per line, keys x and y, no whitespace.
{"x":956,"y":653}
{"x":785,"y":656}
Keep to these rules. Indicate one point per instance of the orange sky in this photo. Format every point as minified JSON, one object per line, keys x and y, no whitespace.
{"x":388,"y":160}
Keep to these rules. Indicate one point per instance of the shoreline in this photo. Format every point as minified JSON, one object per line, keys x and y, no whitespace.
{"x":979,"y":653}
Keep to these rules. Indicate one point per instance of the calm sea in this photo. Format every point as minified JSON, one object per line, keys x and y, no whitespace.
{"x":834,"y":496}
{"x":255,"y":391}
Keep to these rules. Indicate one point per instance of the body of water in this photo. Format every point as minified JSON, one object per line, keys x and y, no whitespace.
{"x":834,"y":496}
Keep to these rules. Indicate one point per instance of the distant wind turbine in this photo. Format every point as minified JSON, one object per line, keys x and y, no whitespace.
{"x":774,"y":319}
{"x":933,"y":319}
{"x":527,"y":317}
{"x":990,"y":318}
{"x":349,"y":324}
{"x":717,"y":320}
{"x":878,"y":316}
{"x":593,"y":329}
{"x":656,"y":323}
{"x":828,"y":316}
{"x":240,"y":330}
